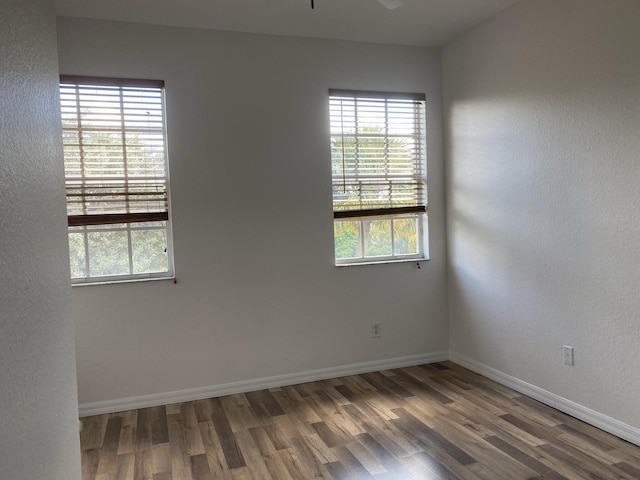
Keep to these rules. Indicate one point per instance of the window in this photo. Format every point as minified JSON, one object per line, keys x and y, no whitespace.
{"x":378,"y":164}
{"x":116,"y":179}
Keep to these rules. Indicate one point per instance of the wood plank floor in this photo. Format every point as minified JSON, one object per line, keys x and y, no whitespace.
{"x":437,"y":421}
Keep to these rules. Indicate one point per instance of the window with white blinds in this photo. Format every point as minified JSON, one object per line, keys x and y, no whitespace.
{"x":378,"y":161}
{"x":116,"y":177}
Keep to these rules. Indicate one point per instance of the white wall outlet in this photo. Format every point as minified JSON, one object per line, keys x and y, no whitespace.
{"x":568,"y":355}
{"x":376,"y":329}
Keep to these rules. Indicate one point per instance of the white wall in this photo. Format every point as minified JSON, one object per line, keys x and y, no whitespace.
{"x":257,"y":293}
{"x":38,"y":403}
{"x":543,"y":108}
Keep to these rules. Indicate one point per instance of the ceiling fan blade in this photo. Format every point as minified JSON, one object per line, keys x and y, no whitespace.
{"x":392,"y":4}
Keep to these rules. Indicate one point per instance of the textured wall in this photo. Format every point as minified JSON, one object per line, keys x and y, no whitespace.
{"x":38,"y":402}
{"x":257,"y":293}
{"x":543,"y":107}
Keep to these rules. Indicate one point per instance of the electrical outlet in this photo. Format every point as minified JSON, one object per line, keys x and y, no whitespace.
{"x":568,"y":355}
{"x":376,"y":330}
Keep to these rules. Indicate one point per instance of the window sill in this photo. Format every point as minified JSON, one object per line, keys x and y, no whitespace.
{"x":417,"y":260}
{"x":121,"y":280}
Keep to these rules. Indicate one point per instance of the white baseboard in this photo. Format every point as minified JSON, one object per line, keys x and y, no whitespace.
{"x":608,"y":424}
{"x":154,"y":400}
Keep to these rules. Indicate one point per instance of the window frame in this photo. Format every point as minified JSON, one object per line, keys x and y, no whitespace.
{"x":364,"y":259}
{"x":133,"y":219}
{"x":417,"y":210}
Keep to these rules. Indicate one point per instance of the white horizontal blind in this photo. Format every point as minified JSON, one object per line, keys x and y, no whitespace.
{"x":114,"y":149}
{"x":377,"y":153}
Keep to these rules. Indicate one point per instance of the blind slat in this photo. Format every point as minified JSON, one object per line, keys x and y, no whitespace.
{"x":110,"y":219}
{"x":376,"y":212}
{"x":108,"y":81}
{"x":336,"y":92}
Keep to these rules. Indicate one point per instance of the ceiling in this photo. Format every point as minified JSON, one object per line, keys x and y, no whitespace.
{"x":430,"y":23}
